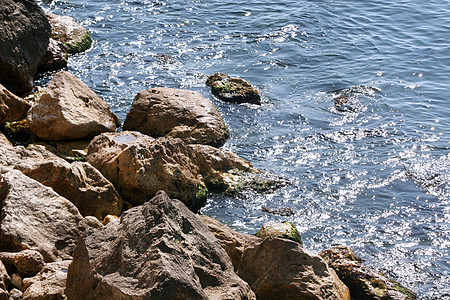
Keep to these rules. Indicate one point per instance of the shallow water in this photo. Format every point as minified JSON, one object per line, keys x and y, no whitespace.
{"x":372,"y":173}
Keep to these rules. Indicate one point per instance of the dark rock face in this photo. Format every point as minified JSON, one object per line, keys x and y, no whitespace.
{"x":364,"y":282}
{"x":24,"y":37}
{"x":160,"y":250}
{"x":233,"y":90}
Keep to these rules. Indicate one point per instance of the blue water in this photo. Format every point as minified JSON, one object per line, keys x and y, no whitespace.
{"x":372,"y":173}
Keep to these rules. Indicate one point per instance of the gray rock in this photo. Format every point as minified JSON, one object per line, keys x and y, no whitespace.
{"x":160,"y":250}
{"x":177,"y":113}
{"x":12,"y":108}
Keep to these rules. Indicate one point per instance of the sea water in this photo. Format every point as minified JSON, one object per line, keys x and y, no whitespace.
{"x":355,"y":111}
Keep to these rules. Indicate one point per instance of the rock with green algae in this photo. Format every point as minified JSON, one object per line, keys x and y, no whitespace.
{"x":233,"y":90}
{"x":286,"y":230}
{"x":363,"y":282}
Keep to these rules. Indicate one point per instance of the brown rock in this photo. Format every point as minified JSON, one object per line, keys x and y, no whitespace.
{"x":27,"y":263}
{"x":4,"y":277}
{"x":233,"y":90}
{"x":35,"y":217}
{"x":177,"y":113}
{"x":12,"y":108}
{"x":278,"y":268}
{"x":139,"y":166}
{"x":160,"y":250}
{"x":23,"y":40}
{"x":68,"y":109}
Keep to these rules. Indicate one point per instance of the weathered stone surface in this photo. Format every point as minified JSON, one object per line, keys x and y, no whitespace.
{"x":160,"y":250}
{"x":68,"y":109}
{"x":15,"y":294}
{"x":23,"y":40}
{"x":12,"y":108}
{"x":177,"y":113}
{"x":4,"y":277}
{"x":27,"y":263}
{"x":286,"y":230}
{"x":278,"y":268}
{"x":67,"y":31}
{"x":363,"y":282}
{"x":55,"y":58}
{"x":233,"y":90}
{"x":139,"y":166}
{"x":35,"y":217}
{"x":49,"y":284}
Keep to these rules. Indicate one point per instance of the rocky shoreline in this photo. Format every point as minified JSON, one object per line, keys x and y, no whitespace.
{"x":88,"y":212}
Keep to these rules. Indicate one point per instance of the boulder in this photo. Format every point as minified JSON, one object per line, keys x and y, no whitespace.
{"x":23,"y":41}
{"x":35,"y":217}
{"x":363,"y":282}
{"x":278,"y":268}
{"x":26,"y":263}
{"x":12,"y":108}
{"x":285,"y":230}
{"x":55,"y":58}
{"x":68,"y":109}
{"x":67,"y":31}
{"x":48,"y":284}
{"x":177,"y":113}
{"x":233,"y":90}
{"x":139,"y":165}
{"x":159,"y":250}
{"x":79,"y":182}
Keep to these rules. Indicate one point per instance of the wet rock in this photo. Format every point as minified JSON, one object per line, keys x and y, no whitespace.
{"x":166,"y":59}
{"x":283,"y":211}
{"x":278,"y":268}
{"x":67,"y":31}
{"x":4,"y":277}
{"x":68,"y":109}
{"x":233,"y":90}
{"x":35,"y":217}
{"x":177,"y":113}
{"x":12,"y":108}
{"x":285,"y":230}
{"x":49,"y":283}
{"x":23,"y":41}
{"x":26,"y":263}
{"x":139,"y":166}
{"x":363,"y":282}
{"x":160,"y":250}
{"x":55,"y":58}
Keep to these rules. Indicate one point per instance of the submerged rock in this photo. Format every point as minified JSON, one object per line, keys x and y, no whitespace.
{"x":68,"y":109}
{"x":12,"y":108}
{"x":23,"y":41}
{"x":278,"y":268}
{"x":286,"y":230}
{"x":177,"y":113}
{"x":159,"y":250}
{"x":233,"y":90}
{"x":363,"y":282}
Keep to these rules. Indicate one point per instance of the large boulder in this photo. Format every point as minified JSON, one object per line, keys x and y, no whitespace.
{"x":139,"y":166}
{"x":233,"y":90}
{"x":177,"y":113}
{"x":79,"y":182}
{"x":12,"y":108}
{"x":160,"y":250}
{"x":68,"y":109}
{"x":278,"y":268}
{"x":35,"y":217}
{"x":364,"y":282}
{"x":24,"y":37}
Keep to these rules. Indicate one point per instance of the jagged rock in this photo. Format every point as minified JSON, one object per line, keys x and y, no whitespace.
{"x":177,"y":113}
{"x":233,"y":90}
{"x":48,"y":284}
{"x":139,"y":166}
{"x":55,"y":58}
{"x":23,"y":41}
{"x":225,"y":172}
{"x":35,"y":217}
{"x":363,"y":282}
{"x":286,"y":230}
{"x":27,"y":263}
{"x":67,"y":31}
{"x":160,"y":250}
{"x":78,"y":182}
{"x":68,"y":109}
{"x":12,"y":108}
{"x":278,"y":268}
{"x":4,"y":278}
